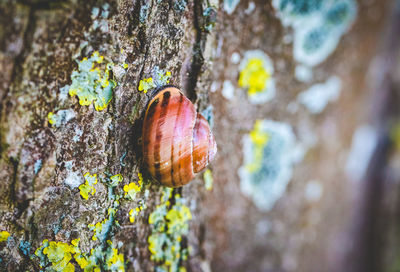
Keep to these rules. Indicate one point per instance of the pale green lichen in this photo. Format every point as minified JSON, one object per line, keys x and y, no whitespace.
{"x":102,"y":229}
{"x":318,"y":26}
{"x":170,"y":224}
{"x":230,"y":5}
{"x":92,"y":83}
{"x":210,"y":17}
{"x":4,"y":236}
{"x":60,"y":118}
{"x":158,"y":79}
{"x":208,"y":179}
{"x":115,"y":180}
{"x":99,"y":18}
{"x":112,"y":182}
{"x":318,"y":96}
{"x":270,"y":152}
{"x":88,"y":187}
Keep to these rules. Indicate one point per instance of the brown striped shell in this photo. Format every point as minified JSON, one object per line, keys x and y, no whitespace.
{"x":177,"y":141}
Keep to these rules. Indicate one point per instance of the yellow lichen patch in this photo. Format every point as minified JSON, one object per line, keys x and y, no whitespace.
{"x":158,"y":79}
{"x":88,"y":187}
{"x":115,"y":261}
{"x":51,"y":118}
{"x":395,"y":136}
{"x":4,"y":236}
{"x":260,"y":139}
{"x":59,"y":254}
{"x":146,"y":84}
{"x":116,"y":179}
{"x":208,"y":179}
{"x":132,"y":188}
{"x":133,"y":213}
{"x":254,"y":76}
{"x":177,"y":218}
{"x":89,"y":262}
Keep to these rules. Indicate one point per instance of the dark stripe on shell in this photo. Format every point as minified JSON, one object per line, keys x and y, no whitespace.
{"x":172,"y":148}
{"x":166,"y":97}
{"x":152,"y":109}
{"x":157,"y":152}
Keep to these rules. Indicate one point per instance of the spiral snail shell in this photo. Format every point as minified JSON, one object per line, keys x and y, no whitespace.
{"x":177,"y":141}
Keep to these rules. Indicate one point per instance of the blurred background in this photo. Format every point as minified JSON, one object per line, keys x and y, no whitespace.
{"x":302,"y":96}
{"x":315,"y":187}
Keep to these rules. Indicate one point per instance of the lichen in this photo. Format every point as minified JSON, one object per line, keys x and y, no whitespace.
{"x":132,"y":188}
{"x":88,"y":187}
{"x":270,"y":151}
{"x":25,"y":247}
{"x":303,"y":73}
{"x":134,"y":212}
{"x":60,"y":118}
{"x":228,"y":90}
{"x":256,"y":72}
{"x":73,"y":179}
{"x":179,"y":5}
{"x":4,"y":236}
{"x":131,"y":191}
{"x":230,"y":5}
{"x":318,"y":26}
{"x":143,"y":13}
{"x":92,"y":83}
{"x":115,"y":180}
{"x":102,"y":229}
{"x":208,"y":179}
{"x":259,"y":138}
{"x":37,"y":166}
{"x":318,"y":96}
{"x":59,"y":254}
{"x":99,"y":17}
{"x":210,"y":18}
{"x":121,"y":159}
{"x":158,"y":79}
{"x":114,"y":260}
{"x":170,"y":223}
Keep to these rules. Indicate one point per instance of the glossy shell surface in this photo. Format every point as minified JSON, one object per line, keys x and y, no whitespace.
{"x":177,"y":141}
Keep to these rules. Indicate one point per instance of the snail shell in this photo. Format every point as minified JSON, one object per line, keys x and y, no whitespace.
{"x":177,"y":141}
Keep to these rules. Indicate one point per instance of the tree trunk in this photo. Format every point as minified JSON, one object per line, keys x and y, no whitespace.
{"x":76,"y":79}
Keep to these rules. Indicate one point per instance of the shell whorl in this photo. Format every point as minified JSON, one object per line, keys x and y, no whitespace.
{"x":177,"y":141}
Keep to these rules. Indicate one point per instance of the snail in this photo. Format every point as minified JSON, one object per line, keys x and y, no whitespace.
{"x":177,"y":141}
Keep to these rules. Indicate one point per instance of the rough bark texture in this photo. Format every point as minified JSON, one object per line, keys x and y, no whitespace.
{"x":42,"y":163}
